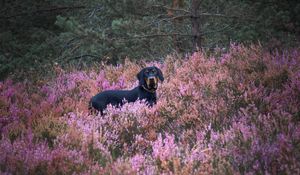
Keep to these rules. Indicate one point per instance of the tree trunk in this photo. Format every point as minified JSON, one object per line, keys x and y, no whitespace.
{"x":196,"y":24}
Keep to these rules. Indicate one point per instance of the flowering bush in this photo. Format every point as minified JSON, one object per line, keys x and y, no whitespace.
{"x":235,"y":113}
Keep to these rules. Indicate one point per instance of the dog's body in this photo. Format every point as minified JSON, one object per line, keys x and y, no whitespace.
{"x":118,"y":97}
{"x":148,"y":83}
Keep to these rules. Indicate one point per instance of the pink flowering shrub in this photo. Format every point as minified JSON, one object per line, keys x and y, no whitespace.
{"x":238,"y":113}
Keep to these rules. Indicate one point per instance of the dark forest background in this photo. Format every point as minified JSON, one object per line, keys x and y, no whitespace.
{"x":35,"y":35}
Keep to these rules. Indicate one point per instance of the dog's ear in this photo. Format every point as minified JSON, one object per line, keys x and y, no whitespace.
{"x":140,"y":77}
{"x":160,"y":74}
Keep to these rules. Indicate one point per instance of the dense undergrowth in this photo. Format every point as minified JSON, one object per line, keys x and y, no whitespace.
{"x":235,"y":113}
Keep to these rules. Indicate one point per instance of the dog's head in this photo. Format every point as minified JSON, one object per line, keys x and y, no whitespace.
{"x":149,"y":76}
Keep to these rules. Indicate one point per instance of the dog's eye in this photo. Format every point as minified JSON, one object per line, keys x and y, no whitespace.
{"x":153,"y":71}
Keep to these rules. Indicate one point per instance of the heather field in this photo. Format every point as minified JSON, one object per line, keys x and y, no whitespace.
{"x":225,"y":113}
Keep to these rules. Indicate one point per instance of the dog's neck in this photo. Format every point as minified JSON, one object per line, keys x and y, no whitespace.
{"x":148,"y":90}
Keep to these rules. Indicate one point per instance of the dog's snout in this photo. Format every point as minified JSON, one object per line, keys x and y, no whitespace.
{"x":151,"y":78}
{"x":151,"y":82}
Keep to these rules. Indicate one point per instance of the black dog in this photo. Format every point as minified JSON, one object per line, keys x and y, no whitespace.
{"x":148,"y":83}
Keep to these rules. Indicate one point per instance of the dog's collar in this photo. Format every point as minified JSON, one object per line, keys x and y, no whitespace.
{"x":151,"y":91}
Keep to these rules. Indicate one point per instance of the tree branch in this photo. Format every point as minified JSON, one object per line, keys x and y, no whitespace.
{"x":153,"y":35}
{"x":44,"y":10}
{"x":78,"y":57}
{"x":170,"y":8}
{"x":82,"y":56}
{"x":210,"y":15}
{"x":172,"y":34}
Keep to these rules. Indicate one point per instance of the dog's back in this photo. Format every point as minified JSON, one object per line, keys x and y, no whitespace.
{"x":113,"y":97}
